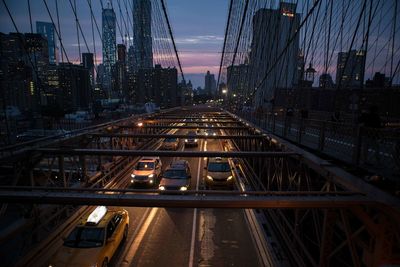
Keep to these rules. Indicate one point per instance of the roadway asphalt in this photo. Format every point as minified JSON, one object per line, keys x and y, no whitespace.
{"x":188,"y":237}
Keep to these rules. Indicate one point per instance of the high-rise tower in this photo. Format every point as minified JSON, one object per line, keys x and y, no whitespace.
{"x":142,"y":42}
{"x":109,"y":45}
{"x":46,"y":29}
{"x":272,"y":30}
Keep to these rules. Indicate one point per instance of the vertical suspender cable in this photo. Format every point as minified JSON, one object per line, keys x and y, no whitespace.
{"x":223,"y":47}
{"x":172,"y":38}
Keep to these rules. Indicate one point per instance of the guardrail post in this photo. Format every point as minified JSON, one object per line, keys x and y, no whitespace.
{"x":321,"y":142}
{"x":357,"y":139}
{"x":285,"y":126}
{"x":61,"y":170}
{"x":300,"y":132}
{"x":82,"y":160}
{"x":273,"y":122}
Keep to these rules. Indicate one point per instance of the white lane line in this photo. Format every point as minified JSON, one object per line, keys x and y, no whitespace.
{"x":192,"y":242}
{"x":139,"y":237}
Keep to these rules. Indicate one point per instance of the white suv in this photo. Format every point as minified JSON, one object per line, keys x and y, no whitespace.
{"x":146,"y":171}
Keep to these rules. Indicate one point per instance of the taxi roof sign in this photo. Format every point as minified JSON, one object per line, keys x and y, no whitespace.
{"x":96,"y":215}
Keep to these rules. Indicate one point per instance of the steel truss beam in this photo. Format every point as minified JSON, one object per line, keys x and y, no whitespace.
{"x":185,"y":127}
{"x":155,"y":153}
{"x":178,"y":136}
{"x":184,"y":200}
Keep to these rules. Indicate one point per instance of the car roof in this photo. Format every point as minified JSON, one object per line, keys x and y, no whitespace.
{"x":149,"y":159}
{"x":179,"y":164}
{"x":218,"y":159}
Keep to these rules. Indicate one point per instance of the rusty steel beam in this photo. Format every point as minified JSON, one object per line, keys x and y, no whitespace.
{"x":190,"y":192}
{"x":160,"y":153}
{"x":178,"y":136}
{"x":185,"y":127}
{"x":181,"y":200}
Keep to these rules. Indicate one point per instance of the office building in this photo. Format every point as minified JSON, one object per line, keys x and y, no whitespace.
{"x":350,"y":69}
{"x":237,"y":79}
{"x":210,"y":84}
{"x":46,"y":29}
{"x":325,"y":81}
{"x":272,"y":28}
{"x":158,"y":85}
{"x":88,"y":63}
{"x":142,"y":41}
{"x":120,"y":81}
{"x":74,"y":86}
{"x":109,"y":46}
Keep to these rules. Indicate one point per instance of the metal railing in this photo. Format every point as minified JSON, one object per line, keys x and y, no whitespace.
{"x":374,"y":149}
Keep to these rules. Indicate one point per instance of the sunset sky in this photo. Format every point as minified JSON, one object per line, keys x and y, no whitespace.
{"x":198,"y":28}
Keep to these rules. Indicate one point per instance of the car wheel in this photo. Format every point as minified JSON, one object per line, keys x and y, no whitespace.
{"x":125,"y":236}
{"x":105,"y":263}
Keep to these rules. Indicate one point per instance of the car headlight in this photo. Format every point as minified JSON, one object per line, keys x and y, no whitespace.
{"x":151,"y":175}
{"x":215,"y":134}
{"x":196,"y":140}
{"x":186,"y":140}
{"x":151,"y":181}
{"x":230,"y":178}
{"x":209,"y":177}
{"x":183,"y":188}
{"x":132,"y":175}
{"x":161,"y":187}
{"x":132,"y":181}
{"x":206,"y":134}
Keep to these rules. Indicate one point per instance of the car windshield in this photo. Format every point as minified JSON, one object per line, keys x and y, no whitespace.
{"x":175,"y":174}
{"x":219,"y":167}
{"x":192,"y":133}
{"x":145,"y":166}
{"x":170,"y":140}
{"x":85,"y":237}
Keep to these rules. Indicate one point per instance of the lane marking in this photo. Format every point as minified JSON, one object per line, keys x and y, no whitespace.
{"x":194,"y":225}
{"x":139,"y":237}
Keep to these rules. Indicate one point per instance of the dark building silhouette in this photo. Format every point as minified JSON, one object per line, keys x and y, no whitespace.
{"x":272,"y":28}
{"x":24,"y":62}
{"x":158,"y":85}
{"x":237,"y":79}
{"x":350,"y":69}
{"x":325,"y":81}
{"x":74,"y":86}
{"x":109,"y":46}
{"x":88,"y":63}
{"x":120,"y":82}
{"x":209,"y":84}
{"x":142,"y":38}
{"x":46,"y":29}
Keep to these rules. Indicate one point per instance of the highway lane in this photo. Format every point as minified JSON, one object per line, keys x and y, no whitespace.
{"x":188,"y":237}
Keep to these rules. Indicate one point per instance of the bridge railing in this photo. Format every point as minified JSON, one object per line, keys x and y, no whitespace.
{"x":373,"y":149}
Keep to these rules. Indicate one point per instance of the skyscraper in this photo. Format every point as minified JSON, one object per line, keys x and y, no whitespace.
{"x":88,"y":64}
{"x":209,"y":84}
{"x":47,"y":30}
{"x":142,"y":41}
{"x":350,"y":74}
{"x":120,"y":73}
{"x":272,"y":29}
{"x":109,"y":45}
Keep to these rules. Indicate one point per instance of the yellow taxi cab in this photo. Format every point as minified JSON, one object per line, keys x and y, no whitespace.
{"x":94,"y":240}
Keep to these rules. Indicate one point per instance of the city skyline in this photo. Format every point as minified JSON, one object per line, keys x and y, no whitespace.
{"x":198,"y":35}
{"x":198,"y":32}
